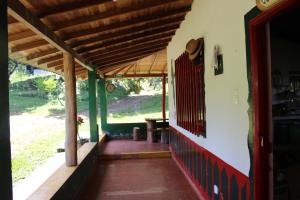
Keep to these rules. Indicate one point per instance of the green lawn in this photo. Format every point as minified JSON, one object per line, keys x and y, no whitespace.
{"x":38,"y":127}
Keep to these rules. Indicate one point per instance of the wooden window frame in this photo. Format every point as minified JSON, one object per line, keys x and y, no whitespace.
{"x":190,"y":95}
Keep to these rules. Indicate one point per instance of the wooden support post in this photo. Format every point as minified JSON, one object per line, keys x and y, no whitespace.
{"x":103,"y":103}
{"x":164,"y":97}
{"x":71,"y":110}
{"x":5,"y":151}
{"x":93,"y":106}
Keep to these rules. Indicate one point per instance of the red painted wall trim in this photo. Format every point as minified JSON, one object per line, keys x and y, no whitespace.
{"x":259,"y":90}
{"x":242,"y":180}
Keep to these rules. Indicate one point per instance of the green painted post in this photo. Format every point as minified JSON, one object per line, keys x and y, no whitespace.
{"x":93,"y":106}
{"x":5,"y":151}
{"x":103,"y":103}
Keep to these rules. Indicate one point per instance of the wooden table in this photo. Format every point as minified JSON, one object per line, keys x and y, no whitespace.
{"x":152,"y":129}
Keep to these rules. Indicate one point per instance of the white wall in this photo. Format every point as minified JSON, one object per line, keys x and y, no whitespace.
{"x":220,"y":23}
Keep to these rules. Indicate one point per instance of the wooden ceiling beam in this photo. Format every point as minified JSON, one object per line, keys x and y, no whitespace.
{"x":133,"y":55}
{"x":17,"y":10}
{"x":41,"y":54}
{"x":29,"y":45}
{"x":50,"y":59}
{"x":125,"y":47}
{"x":127,"y":52}
{"x":130,"y":31}
{"x":20,"y":36}
{"x":128,"y":23}
{"x":136,"y":76}
{"x":111,"y":13}
{"x":132,"y":39}
{"x":117,"y":70}
{"x":73,"y":6}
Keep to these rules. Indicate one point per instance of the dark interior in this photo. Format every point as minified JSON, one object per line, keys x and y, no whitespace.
{"x":285,"y":63}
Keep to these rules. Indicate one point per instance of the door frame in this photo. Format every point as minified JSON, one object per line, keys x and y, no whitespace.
{"x":259,"y":62}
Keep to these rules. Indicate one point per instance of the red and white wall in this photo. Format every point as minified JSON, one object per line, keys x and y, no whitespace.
{"x":227,"y":124}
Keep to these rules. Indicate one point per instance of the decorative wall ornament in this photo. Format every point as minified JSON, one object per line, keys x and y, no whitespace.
{"x":267,"y":4}
{"x":218,"y":60}
{"x":195,"y":50}
{"x":110,"y":88}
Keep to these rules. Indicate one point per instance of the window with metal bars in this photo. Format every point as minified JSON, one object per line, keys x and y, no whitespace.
{"x":190,"y":95}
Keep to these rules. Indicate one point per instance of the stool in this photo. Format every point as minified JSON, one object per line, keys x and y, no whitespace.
{"x":136,"y":133}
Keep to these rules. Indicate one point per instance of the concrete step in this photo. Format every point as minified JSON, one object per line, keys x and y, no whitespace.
{"x":136,"y":155}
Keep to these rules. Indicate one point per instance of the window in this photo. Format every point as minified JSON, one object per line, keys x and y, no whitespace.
{"x":190,"y":95}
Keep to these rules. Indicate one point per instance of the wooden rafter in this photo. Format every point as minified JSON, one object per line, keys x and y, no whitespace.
{"x":115,"y":72}
{"x":137,"y":75}
{"x":130,"y":39}
{"x":55,"y":63}
{"x":128,"y":52}
{"x":125,"y":47}
{"x":130,"y":31}
{"x":19,"y":12}
{"x":50,"y":59}
{"x":29,"y":45}
{"x":128,"y":23}
{"x":133,"y":36}
{"x":68,"y":7}
{"x":20,"y":36}
{"x":128,"y":69}
{"x":112,"y":13}
{"x":128,"y":58}
{"x":145,"y":52}
{"x":42,"y":54}
{"x":152,"y":64}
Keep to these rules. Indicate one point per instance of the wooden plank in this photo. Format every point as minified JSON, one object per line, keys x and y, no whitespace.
{"x":42,"y":54}
{"x":137,"y":53}
{"x":19,"y":12}
{"x":50,"y":59}
{"x":112,"y":13}
{"x":135,"y":76}
{"x":127,"y":32}
{"x":20,"y":36}
{"x":135,"y":38}
{"x":128,"y":23}
{"x":71,"y":110}
{"x":124,"y":47}
{"x":29,"y":45}
{"x":73,"y":6}
{"x":128,"y":52}
{"x":5,"y":148}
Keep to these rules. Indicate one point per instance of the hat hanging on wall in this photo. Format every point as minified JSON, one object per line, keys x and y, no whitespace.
{"x":195,"y":50}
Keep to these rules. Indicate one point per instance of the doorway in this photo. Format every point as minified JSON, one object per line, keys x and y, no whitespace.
{"x":275,"y":60}
{"x":285,"y":78}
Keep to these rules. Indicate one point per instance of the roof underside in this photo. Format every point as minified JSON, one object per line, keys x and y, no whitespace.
{"x":114,"y":37}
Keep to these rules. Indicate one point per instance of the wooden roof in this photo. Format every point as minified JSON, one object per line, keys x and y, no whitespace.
{"x":103,"y":34}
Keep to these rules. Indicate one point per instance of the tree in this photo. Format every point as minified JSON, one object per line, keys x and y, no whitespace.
{"x":12,"y":66}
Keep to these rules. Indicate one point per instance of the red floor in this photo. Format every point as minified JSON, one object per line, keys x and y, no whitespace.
{"x":144,"y":179}
{"x":129,"y":146}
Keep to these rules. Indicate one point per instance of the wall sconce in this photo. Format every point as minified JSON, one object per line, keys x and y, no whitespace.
{"x":218,"y":60}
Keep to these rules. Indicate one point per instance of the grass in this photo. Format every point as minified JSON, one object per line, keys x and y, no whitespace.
{"x":34,"y":154}
{"x":41,"y":128}
{"x":149,"y":108}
